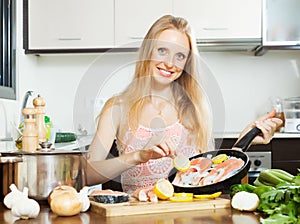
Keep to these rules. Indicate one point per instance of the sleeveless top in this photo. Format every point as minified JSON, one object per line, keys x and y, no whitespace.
{"x":146,"y":174}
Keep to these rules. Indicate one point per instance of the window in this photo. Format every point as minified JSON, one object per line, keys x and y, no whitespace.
{"x":8,"y":52}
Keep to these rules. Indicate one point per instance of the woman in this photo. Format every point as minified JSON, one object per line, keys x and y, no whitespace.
{"x":163,"y":112}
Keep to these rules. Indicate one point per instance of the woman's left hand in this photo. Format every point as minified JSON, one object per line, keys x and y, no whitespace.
{"x":267,"y":124}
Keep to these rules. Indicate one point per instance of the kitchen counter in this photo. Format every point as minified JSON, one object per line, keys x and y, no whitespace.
{"x":276,"y":135}
{"x":224,"y":216}
{"x":84,"y":141}
{"x":81,"y":143}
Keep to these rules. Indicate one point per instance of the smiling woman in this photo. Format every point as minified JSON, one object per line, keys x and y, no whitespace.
{"x":7,"y":53}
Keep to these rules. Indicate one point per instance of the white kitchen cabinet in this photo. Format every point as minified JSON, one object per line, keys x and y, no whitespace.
{"x":281,"y":23}
{"x":281,"y":26}
{"x":133,"y":18}
{"x":69,"y":24}
{"x":222,"y":19}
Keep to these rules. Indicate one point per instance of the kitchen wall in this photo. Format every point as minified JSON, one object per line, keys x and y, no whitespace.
{"x":75,"y":86}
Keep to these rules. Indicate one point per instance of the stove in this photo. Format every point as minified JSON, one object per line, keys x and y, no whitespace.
{"x":261,"y":160}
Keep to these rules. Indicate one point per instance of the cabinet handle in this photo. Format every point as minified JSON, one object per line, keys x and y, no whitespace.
{"x":136,"y":38}
{"x":69,"y":38}
{"x":214,"y":28}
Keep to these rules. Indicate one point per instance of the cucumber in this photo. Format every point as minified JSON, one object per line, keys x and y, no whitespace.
{"x":268,"y":178}
{"x":286,"y":176}
{"x":65,"y":137}
{"x":272,"y":177}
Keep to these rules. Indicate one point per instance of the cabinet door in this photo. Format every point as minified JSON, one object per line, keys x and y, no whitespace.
{"x":70,"y":24}
{"x":133,"y":18}
{"x":281,"y":22}
{"x":286,"y":154}
{"x":222,"y":18}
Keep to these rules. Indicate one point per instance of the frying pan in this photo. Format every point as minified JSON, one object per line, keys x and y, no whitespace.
{"x":238,"y":151}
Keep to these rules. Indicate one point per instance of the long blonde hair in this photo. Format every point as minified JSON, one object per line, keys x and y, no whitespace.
{"x":190,"y":99}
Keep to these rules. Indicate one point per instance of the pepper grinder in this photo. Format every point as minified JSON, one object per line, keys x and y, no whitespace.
{"x":39,"y":105}
{"x":30,"y":133}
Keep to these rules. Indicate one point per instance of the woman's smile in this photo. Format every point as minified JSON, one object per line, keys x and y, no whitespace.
{"x":164,"y":72}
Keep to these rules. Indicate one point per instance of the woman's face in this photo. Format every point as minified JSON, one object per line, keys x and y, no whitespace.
{"x":169,"y":56}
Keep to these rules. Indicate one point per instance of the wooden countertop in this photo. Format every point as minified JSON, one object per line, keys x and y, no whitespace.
{"x":224,"y":216}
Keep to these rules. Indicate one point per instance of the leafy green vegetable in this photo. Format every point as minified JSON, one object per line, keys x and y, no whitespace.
{"x":281,"y":204}
{"x":280,"y":219}
{"x":297,"y":178}
{"x":241,"y":187}
{"x":262,"y":189}
{"x":279,"y":194}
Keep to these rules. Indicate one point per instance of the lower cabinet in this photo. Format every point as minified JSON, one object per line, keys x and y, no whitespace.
{"x":286,"y":154}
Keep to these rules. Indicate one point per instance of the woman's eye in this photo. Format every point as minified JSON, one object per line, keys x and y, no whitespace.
{"x":161,"y":50}
{"x":180,"y":56}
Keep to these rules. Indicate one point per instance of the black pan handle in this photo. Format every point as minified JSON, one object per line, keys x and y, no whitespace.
{"x":245,"y":141}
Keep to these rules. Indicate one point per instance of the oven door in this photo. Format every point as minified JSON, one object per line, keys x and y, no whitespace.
{"x":259,"y":161}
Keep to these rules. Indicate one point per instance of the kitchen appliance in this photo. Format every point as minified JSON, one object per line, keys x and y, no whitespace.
{"x":259,"y":161}
{"x":42,"y":171}
{"x":238,"y":151}
{"x":291,"y":109}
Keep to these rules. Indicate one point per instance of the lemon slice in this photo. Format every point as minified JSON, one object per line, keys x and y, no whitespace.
{"x":163,"y":189}
{"x":208,"y":196}
{"x":183,"y":194}
{"x":219,"y":158}
{"x":181,"y":198}
{"x":181,"y":163}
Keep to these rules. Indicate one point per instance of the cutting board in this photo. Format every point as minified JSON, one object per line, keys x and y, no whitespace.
{"x":134,"y":207}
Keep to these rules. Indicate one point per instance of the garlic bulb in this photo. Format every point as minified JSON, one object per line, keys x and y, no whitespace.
{"x":84,"y":199}
{"x":26,"y":208}
{"x":12,"y":196}
{"x":21,"y":206}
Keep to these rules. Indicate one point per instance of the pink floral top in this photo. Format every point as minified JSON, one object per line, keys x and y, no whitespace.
{"x":148,"y":173}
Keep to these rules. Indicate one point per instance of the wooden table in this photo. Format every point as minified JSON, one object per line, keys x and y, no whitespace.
{"x":224,"y":216}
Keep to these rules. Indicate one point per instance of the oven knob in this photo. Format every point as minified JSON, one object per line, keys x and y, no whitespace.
{"x":257,"y":162}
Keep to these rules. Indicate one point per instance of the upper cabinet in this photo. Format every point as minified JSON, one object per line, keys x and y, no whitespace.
{"x":62,"y":26}
{"x":68,"y":24}
{"x":281,"y":22}
{"x":222,"y":19}
{"x":281,"y":26}
{"x":133,"y":19}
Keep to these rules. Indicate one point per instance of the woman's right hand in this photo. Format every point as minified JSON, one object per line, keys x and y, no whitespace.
{"x":165,"y":148}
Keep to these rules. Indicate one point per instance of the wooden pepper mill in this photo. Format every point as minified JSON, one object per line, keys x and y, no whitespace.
{"x":39,"y":105}
{"x":30,"y":133}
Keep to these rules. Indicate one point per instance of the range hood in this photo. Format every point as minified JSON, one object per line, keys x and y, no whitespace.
{"x":228,"y":44}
